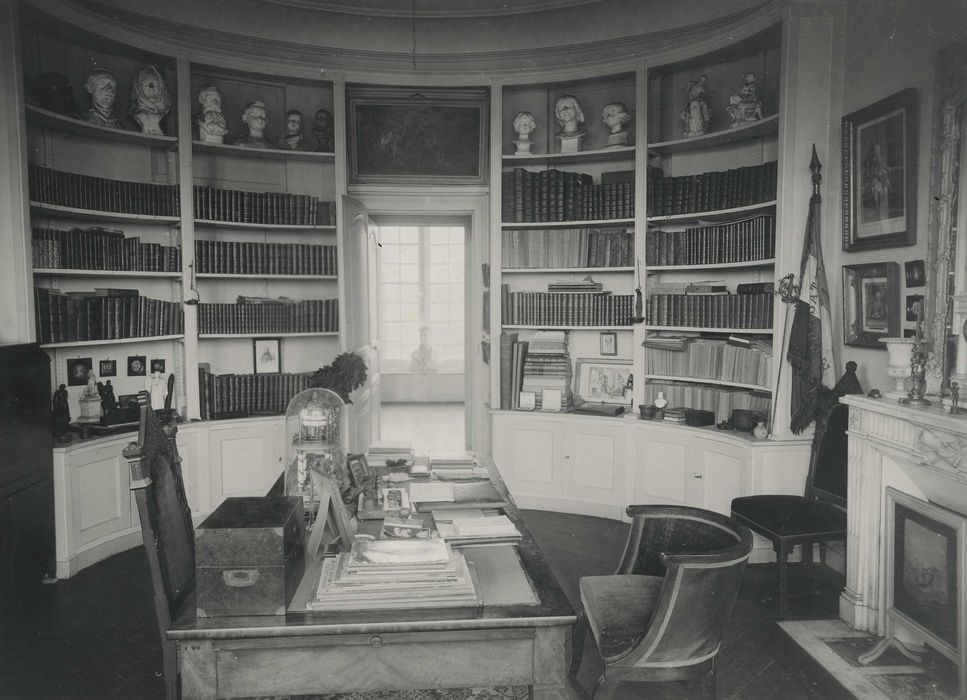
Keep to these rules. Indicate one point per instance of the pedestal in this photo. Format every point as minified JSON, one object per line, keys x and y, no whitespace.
{"x":570,"y":144}
{"x":618,"y":139}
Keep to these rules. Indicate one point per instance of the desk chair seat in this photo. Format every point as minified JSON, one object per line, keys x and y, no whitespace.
{"x":618,"y":609}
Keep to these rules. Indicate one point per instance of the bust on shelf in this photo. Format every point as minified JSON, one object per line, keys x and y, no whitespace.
{"x":256,"y":118}
{"x":696,"y":116}
{"x":524,"y":126}
{"x":570,"y":117}
{"x":102,"y":87}
{"x":746,"y":106}
{"x":616,"y":117}
{"x":293,"y":130}
{"x":323,"y":131}
{"x":90,"y":401}
{"x":211,"y":122}
{"x":150,"y":102}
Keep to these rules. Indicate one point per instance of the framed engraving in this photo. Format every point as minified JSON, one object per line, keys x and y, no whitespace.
{"x":871,"y":303}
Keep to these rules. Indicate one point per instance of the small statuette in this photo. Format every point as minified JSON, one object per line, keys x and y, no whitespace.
{"x":524,"y":126}
{"x":954,"y":398}
{"x":150,"y":102}
{"x":661,"y":401}
{"x":256,"y":117}
{"x":90,"y":401}
{"x":745,"y":106}
{"x":616,"y":117}
{"x":211,"y":122}
{"x":61,"y":412}
{"x":293,"y":130}
{"x":102,"y":87}
{"x":570,"y":117}
{"x":696,"y":116}
{"x":323,"y":131}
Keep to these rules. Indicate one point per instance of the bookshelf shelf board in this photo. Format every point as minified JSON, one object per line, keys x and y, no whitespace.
{"x":765,"y":262}
{"x":700,"y":329}
{"x":115,"y":341}
{"x":701,"y":380}
{"x":517,"y":270}
{"x":54,"y":210}
{"x":226,"y":276}
{"x":568,"y":224}
{"x":58,"y":271}
{"x":764,"y":127}
{"x":264,"y":153}
{"x":599,"y":154}
{"x":69,"y":125}
{"x":715,"y":215}
{"x":209,"y":223}
{"x":318,"y":334}
{"x":572,"y":328}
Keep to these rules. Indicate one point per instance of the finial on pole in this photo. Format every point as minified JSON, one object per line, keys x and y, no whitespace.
{"x":815,"y":166}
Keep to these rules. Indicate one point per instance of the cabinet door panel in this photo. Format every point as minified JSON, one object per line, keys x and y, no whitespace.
{"x":534,"y":455}
{"x":196,"y":486}
{"x":244,"y":461}
{"x":592,"y":458}
{"x":723,"y":477}
{"x":661,"y":470}
{"x":102,"y":503}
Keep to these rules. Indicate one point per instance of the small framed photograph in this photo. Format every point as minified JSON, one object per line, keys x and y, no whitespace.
{"x":871,"y":303}
{"x":358,"y":469}
{"x":912,"y":301}
{"x":915,"y":273}
{"x":158,"y":365}
{"x":880,"y":174}
{"x":603,"y":381}
{"x":267,"y":355}
{"x":107,"y":368}
{"x":609,"y":343}
{"x":137,"y":365}
{"x":78,"y":371}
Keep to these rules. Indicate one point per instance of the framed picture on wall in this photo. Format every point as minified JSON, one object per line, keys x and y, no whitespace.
{"x":107,"y":368}
{"x":267,"y":355}
{"x":880,"y":174}
{"x":871,"y":303}
{"x":77,"y":371}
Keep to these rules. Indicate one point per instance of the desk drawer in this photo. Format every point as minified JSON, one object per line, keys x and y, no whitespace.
{"x":343,"y":663}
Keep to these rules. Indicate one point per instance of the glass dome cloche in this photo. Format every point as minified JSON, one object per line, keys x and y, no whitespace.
{"x":315,"y":426}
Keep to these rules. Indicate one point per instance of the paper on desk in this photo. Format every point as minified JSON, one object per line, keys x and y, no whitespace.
{"x":431,"y":492}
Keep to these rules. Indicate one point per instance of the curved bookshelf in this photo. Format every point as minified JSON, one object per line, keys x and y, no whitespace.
{"x":211,"y":223}
{"x":51,"y":120}
{"x":715,"y":214}
{"x":766,"y":126}
{"x":702,"y":380}
{"x":570,"y":328}
{"x":58,"y":271}
{"x":597,"y":155}
{"x":226,"y":149}
{"x":315,"y":334}
{"x":115,"y":341}
{"x":55,"y":210}
{"x":765,"y":262}
{"x":519,"y":270}
{"x":567,"y":224}
{"x":231,"y":276}
{"x":700,"y":329}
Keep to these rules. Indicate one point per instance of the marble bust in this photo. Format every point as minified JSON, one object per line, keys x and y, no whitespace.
{"x":256,"y":118}
{"x":570,"y":117}
{"x":322,"y":130}
{"x":211,"y":122}
{"x":293,"y":130}
{"x":102,"y":87}
{"x":150,"y":102}
{"x":616,"y":117}
{"x":524,"y":126}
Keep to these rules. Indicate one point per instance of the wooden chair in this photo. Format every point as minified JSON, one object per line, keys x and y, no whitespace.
{"x":819,"y":516}
{"x":660,"y":616}
{"x":166,"y":526}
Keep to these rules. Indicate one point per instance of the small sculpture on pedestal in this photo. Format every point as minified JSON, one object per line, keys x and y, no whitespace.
{"x":256,"y":118}
{"x":696,"y":116}
{"x":322,"y":130}
{"x":102,"y":86}
{"x":150,"y":102}
{"x":746,"y":106}
{"x":569,"y":117}
{"x":524,"y":126}
{"x":90,"y":402}
{"x":954,"y":398}
{"x":60,"y":412}
{"x":211,"y":122}
{"x":293,"y":130}
{"x":616,"y":117}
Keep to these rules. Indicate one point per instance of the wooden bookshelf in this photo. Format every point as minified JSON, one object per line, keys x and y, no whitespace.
{"x":37,"y":116}
{"x":767,"y":126}
{"x":62,"y":271}
{"x":717,"y":214}
{"x":115,"y":341}
{"x":59,"y":212}
{"x":224,"y":149}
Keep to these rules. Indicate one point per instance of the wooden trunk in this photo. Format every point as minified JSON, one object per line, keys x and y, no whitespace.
{"x":249,"y":556}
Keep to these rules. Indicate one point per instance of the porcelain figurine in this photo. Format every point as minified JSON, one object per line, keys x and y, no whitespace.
{"x":616,"y":117}
{"x":102,"y":87}
{"x":524,"y":126}
{"x":322,"y":130}
{"x":696,"y":116}
{"x":157,"y":388}
{"x":293,"y":130}
{"x":256,"y":118}
{"x":150,"y":102}
{"x":211,"y":122}
{"x":570,"y":117}
{"x":746,"y":106}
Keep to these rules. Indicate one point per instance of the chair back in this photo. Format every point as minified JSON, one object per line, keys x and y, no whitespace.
{"x":166,"y":527}
{"x":702,"y":556}
{"x":829,"y":460}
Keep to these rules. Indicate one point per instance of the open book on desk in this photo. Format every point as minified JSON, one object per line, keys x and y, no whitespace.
{"x":466,"y":494}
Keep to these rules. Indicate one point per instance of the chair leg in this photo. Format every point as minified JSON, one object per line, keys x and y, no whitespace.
{"x":578,"y":635}
{"x":782,"y":561}
{"x":703,"y":687}
{"x":170,"y":656}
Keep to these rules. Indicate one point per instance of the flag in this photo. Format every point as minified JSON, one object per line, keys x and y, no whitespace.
{"x":811,"y":339}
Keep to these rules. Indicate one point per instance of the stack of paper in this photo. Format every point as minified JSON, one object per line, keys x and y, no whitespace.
{"x":475,"y":526}
{"x":380,"y":453}
{"x":396,"y":574}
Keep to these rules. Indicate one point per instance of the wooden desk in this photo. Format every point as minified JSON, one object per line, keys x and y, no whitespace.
{"x":316,"y":652}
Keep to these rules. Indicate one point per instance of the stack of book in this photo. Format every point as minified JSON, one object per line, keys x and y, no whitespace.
{"x":286,"y":316}
{"x":548,"y":366}
{"x":249,"y":258}
{"x":674,"y":415}
{"x":381,"y":453}
{"x":103,"y":314}
{"x":709,"y":244}
{"x":66,"y":189}
{"x":234,"y":395}
{"x":456,"y":466}
{"x":101,"y":249}
{"x":561,"y":308}
{"x":568,"y":247}
{"x":475,"y":526}
{"x":687,"y":194}
{"x":671,"y":343}
{"x":585,"y":286}
{"x":396,"y":574}
{"x":554,"y":195}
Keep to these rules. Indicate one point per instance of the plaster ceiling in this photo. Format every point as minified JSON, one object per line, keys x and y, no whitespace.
{"x":433,"y":8}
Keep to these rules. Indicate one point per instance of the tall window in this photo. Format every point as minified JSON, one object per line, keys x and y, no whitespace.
{"x":422,"y":298}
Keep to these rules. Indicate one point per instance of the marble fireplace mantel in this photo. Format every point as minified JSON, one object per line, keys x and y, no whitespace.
{"x":920,"y":451}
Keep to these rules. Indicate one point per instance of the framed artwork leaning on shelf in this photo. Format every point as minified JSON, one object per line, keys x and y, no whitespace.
{"x":267,"y":355}
{"x":871,"y":303}
{"x":603,"y":381}
{"x":880,"y":174}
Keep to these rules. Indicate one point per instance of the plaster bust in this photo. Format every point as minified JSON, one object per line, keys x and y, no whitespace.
{"x":322,"y":130}
{"x":524,"y":126}
{"x":616,"y":117}
{"x":569,"y":116}
{"x":211,"y":122}
{"x":150,"y":102}
{"x":256,"y":118}
{"x":293,"y":130}
{"x":102,"y":87}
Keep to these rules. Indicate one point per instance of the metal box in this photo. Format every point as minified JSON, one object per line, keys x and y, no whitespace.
{"x":249,"y":556}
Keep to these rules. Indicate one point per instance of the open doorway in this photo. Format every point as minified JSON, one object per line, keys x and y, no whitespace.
{"x":422,"y":312}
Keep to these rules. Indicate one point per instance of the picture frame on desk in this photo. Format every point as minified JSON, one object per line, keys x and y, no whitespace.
{"x":358,"y":469}
{"x":267,"y":355}
{"x":603,"y":380}
{"x":880,"y":174}
{"x":871,"y":303}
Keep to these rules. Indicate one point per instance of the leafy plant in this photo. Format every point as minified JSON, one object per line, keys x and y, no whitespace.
{"x":345,"y":374}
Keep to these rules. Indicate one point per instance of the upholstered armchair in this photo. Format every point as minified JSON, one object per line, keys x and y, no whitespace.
{"x":660,"y":616}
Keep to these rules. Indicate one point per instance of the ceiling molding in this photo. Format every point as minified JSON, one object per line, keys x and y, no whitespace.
{"x":449,"y":9}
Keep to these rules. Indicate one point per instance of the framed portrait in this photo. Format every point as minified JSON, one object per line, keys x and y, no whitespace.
{"x":912,"y":301}
{"x":914,"y":273}
{"x":603,"y":381}
{"x":358,"y":469}
{"x":880,"y":174}
{"x":267,"y":355}
{"x":137,"y":366}
{"x":107,"y":368}
{"x":157,"y":365}
{"x":78,"y":369}
{"x":871,"y":303}
{"x":608,"y":341}
{"x":431,"y":136}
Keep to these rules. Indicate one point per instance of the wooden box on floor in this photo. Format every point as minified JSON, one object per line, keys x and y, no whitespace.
{"x":249,"y":556}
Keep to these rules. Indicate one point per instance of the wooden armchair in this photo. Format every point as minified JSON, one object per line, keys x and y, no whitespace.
{"x":166,"y":526}
{"x":660,"y":616}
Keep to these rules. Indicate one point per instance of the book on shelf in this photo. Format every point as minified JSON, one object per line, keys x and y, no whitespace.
{"x":721,"y":360}
{"x":65,"y":189}
{"x":706,"y":288}
{"x":746,"y":311}
{"x":586,"y":286}
{"x":548,"y":367}
{"x":721,"y":400}
{"x":755,"y":288}
{"x":595,"y":408}
{"x":555,"y":195}
{"x":519,"y":355}
{"x":507,"y":342}
{"x":98,"y":248}
{"x":251,"y":258}
{"x":85,"y":315}
{"x":566,"y":308}
{"x":672,"y":343}
{"x":232,"y":395}
{"x":711,"y":191}
{"x":569,"y":247}
{"x":304,"y":316}
{"x":746,"y":240}
{"x":271,"y":208}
